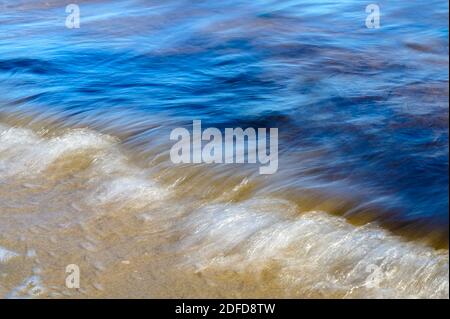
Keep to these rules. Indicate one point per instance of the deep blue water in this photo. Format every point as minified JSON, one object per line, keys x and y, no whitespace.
{"x":361,"y":112}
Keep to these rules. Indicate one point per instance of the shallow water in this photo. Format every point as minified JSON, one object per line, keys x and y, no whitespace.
{"x":85,"y":177}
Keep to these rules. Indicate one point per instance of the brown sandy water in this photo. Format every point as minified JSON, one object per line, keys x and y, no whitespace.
{"x":75,"y":196}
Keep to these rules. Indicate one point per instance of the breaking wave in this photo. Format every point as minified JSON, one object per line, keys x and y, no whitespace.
{"x":76,"y":194}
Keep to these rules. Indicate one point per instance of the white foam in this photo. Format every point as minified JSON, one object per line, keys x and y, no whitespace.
{"x":128,"y":190}
{"x":24,"y":152}
{"x":111,"y":177}
{"x":316,"y":254}
{"x":6,"y":255}
{"x":219,"y":228}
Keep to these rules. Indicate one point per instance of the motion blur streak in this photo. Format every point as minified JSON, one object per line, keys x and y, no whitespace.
{"x":357,"y":209}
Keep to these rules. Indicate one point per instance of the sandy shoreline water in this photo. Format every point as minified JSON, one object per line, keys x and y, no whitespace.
{"x":84,"y":202}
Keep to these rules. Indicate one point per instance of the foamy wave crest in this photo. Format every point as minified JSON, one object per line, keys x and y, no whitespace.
{"x":134,"y":191}
{"x":6,"y":255}
{"x":312,"y":254}
{"x":110,"y":176}
{"x":24,"y":152}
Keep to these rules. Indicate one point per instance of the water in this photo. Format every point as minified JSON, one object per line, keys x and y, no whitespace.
{"x":85,"y":177}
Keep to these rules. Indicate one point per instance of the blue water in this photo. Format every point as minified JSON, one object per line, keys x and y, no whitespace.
{"x":362,"y":113}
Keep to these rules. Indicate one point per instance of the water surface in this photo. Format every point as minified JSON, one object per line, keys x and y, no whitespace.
{"x":85,"y":119}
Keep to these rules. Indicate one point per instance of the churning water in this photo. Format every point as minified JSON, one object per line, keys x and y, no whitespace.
{"x":358,"y":207}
